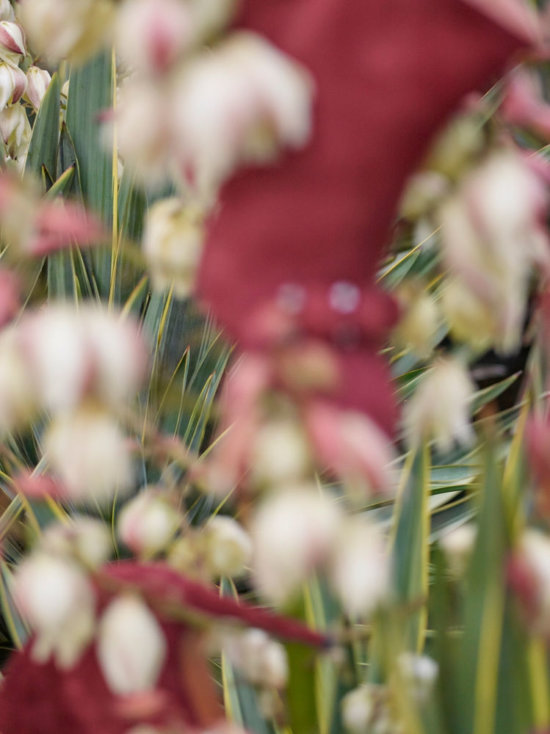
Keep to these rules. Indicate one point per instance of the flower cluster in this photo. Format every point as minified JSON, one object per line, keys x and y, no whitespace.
{"x":17,"y":86}
{"x":82,"y":367}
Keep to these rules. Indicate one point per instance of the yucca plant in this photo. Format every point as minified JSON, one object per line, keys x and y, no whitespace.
{"x":214,"y":517}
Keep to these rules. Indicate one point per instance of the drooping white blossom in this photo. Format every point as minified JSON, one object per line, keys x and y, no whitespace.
{"x":12,"y":42}
{"x":293,"y":533}
{"x":73,"y":29}
{"x":239,"y":105}
{"x":15,"y":130}
{"x":38,"y":81}
{"x":280,"y":452}
{"x":151,"y":35}
{"x":131,"y":647}
{"x":91,"y":455}
{"x":360,"y":568}
{"x":440,"y":407}
{"x":172,"y":244}
{"x":261,"y":660}
{"x":13,"y":83}
{"x":148,"y":522}
{"x":227,"y":547}
{"x":73,"y":354}
{"x":492,"y":234}
{"x":56,"y":598}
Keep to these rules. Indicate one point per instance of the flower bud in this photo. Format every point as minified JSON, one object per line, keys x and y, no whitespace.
{"x":458,"y":545}
{"x":16,"y":133}
{"x":420,"y":673}
{"x":131,"y":647}
{"x":293,"y":533}
{"x":360,"y":568}
{"x":90,"y":454}
{"x":56,"y":598}
{"x":470,"y":320}
{"x":529,"y":577}
{"x":280,"y":453}
{"x":88,"y":540}
{"x":12,"y":42}
{"x":38,"y":81}
{"x":228,"y":548}
{"x":441,"y":405}
{"x":13,"y":83}
{"x":148,"y":522}
{"x":261,"y":660}
{"x":364,"y":709}
{"x":417,"y":328}
{"x":172,"y":245}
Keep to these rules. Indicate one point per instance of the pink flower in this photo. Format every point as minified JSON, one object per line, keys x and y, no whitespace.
{"x":523,"y":104}
{"x":62,"y":224}
{"x":38,"y":486}
{"x":36,"y":226}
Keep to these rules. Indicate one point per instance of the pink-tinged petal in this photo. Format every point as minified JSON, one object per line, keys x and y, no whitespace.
{"x":10,"y":188}
{"x":240,"y":418}
{"x":538,"y":164}
{"x":11,"y":37}
{"x":161,"y":584}
{"x":537,"y":443}
{"x":20,"y":84}
{"x":61,"y":224}
{"x":39,"y":486}
{"x":350,"y":445}
{"x":522,"y":580}
{"x":523,"y":104}
{"x":10,"y":301}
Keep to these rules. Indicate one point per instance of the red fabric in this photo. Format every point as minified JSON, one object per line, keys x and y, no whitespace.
{"x":388,"y":74}
{"x":41,"y":699}
{"x":161,"y":584}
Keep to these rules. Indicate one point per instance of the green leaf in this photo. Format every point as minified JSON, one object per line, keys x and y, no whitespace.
{"x":90,"y":94}
{"x":484,"y":610}
{"x":302,"y":705}
{"x":43,"y":149}
{"x":411,"y":546}
{"x":488,"y":394}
